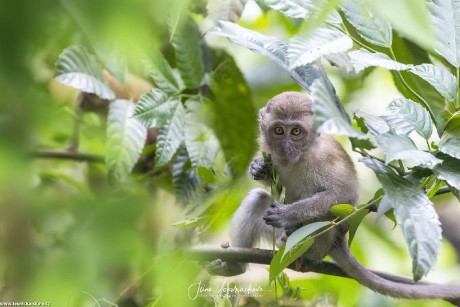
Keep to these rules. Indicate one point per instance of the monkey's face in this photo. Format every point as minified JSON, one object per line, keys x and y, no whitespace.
{"x":287,"y":139}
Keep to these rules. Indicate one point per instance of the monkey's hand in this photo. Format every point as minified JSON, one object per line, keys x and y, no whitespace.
{"x":223,"y":268}
{"x":259,"y":169}
{"x":277,"y":215}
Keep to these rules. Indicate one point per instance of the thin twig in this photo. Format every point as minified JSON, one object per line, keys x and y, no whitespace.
{"x":65,"y":155}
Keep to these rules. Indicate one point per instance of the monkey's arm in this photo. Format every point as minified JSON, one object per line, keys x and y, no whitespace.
{"x":308,"y":210}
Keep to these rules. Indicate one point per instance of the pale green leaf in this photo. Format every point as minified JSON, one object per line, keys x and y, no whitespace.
{"x":414,"y":114}
{"x":409,"y":18}
{"x":79,"y":69}
{"x":450,"y":143}
{"x":201,"y":142}
{"x":307,"y":47}
{"x":401,"y":147}
{"x":300,"y":234}
{"x":154,"y":108}
{"x":367,"y":23}
{"x":362,"y":59}
{"x":125,"y":139}
{"x":328,"y":118}
{"x":445,"y":19}
{"x":291,"y":8}
{"x":439,"y":77}
{"x":170,"y":136}
{"x":398,"y":123}
{"x":186,"y":42}
{"x":415,"y":214}
{"x":375,"y":124}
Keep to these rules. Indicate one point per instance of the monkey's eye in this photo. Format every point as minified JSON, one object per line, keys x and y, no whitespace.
{"x":296,"y":131}
{"x":278,"y":130}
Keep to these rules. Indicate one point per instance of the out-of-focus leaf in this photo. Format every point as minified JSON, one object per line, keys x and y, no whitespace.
{"x":450,"y":143}
{"x":362,"y":58}
{"x":416,"y":216}
{"x":170,"y":136}
{"x":291,"y":8}
{"x":155,"y":108}
{"x":439,"y":77}
{"x":125,"y":139}
{"x":202,"y":145}
{"x":279,"y":263}
{"x":368,"y":24}
{"x":186,"y":42}
{"x":79,"y":69}
{"x":413,"y":113}
{"x":300,"y":234}
{"x":161,"y":72}
{"x":401,"y":147}
{"x":307,"y":47}
{"x":234,"y":115}
{"x":228,"y":10}
{"x":185,"y":179}
{"x":328,"y":118}
{"x":409,"y":17}
{"x":445,"y":19}
{"x":449,"y":171}
{"x":206,"y":174}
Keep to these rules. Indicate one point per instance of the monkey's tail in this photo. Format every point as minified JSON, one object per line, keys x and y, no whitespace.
{"x":247,"y":223}
{"x":347,"y":262}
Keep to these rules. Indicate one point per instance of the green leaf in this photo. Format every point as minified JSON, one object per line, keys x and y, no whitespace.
{"x":342,"y":210}
{"x":186,"y":43}
{"x":401,"y":147}
{"x":413,"y":113}
{"x":362,"y":59}
{"x":415,"y":214}
{"x":300,"y":234}
{"x":206,"y":174}
{"x":234,"y":115}
{"x":450,"y":143}
{"x":279,"y":263}
{"x":307,"y":47}
{"x":354,"y":222}
{"x":185,"y":179}
{"x":125,"y":140}
{"x":201,"y":142}
{"x":445,"y":19}
{"x":398,"y":123}
{"x":155,"y":108}
{"x":161,"y":73}
{"x":408,"y":17}
{"x":328,"y":118}
{"x":449,"y":171}
{"x":439,"y":77}
{"x":368,"y":25}
{"x":375,"y":124}
{"x":113,"y":59}
{"x":79,"y":69}
{"x":170,"y":136}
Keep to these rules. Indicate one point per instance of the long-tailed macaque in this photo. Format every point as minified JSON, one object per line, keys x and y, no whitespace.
{"x":317,"y":173}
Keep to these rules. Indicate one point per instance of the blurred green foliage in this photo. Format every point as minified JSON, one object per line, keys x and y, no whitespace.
{"x":69,"y":238}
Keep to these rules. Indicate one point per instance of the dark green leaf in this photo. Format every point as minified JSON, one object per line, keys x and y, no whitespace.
{"x":161,"y":73}
{"x":449,"y":171}
{"x":354,"y":222}
{"x":185,"y":179}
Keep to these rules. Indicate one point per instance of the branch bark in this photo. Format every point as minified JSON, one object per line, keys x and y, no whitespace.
{"x":64,"y":155}
{"x":264,"y":256}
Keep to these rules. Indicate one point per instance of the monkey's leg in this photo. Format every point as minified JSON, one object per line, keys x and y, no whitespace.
{"x":246,"y":230}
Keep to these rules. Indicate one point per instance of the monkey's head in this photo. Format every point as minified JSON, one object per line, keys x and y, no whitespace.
{"x":286,"y":126}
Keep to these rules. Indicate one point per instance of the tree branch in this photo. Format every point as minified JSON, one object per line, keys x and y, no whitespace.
{"x":264,"y":256}
{"x":64,"y":155}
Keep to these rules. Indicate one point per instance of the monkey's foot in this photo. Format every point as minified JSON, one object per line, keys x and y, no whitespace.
{"x":223,"y":268}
